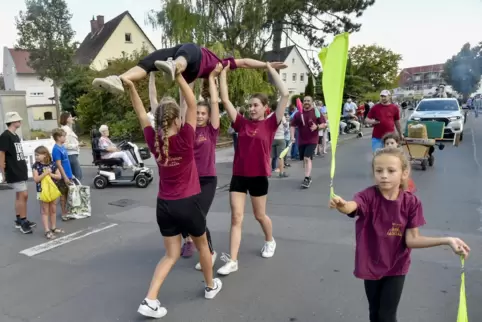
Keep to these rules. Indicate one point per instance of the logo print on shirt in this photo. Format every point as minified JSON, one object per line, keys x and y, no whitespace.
{"x":19,"y":151}
{"x":252,"y":133}
{"x":396,"y":230}
{"x":201,"y":138}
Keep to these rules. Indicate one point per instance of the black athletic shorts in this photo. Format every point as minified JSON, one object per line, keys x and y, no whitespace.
{"x":208,"y":190}
{"x":307,"y":151}
{"x":176,"y":216}
{"x":256,"y":186}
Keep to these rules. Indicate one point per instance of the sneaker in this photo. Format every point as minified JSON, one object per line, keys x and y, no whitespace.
{"x":230,"y":266}
{"x":211,"y":293}
{"x":187,"y":250}
{"x":283,"y":175}
{"x":31,"y":223}
{"x":18,"y":224}
{"x":287,"y":165}
{"x":169,"y":69}
{"x":360,"y":135}
{"x":25,"y":228}
{"x":268,"y":249}
{"x":152,"y":311}
{"x":112,"y":84}
{"x":306,"y":182}
{"x":213,"y":256}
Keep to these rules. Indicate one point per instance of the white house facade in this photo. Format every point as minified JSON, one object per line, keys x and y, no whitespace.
{"x":296,"y":74}
{"x":18,"y":76}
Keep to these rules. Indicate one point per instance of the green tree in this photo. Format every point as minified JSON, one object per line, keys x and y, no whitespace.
{"x":77,"y":83}
{"x":44,"y":30}
{"x":248,"y":26}
{"x":355,"y":85}
{"x":376,"y":64}
{"x":310,"y":87}
{"x":463,"y":70}
{"x":2,"y":82}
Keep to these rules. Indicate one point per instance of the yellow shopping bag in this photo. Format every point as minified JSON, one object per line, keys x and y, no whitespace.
{"x":462,"y":314}
{"x":49,"y":192}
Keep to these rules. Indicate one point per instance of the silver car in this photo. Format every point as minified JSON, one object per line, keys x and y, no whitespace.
{"x":445,"y":110}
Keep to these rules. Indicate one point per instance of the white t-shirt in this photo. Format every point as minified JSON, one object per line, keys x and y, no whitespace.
{"x":280,"y":131}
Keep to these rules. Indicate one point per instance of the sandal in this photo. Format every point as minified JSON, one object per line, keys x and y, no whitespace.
{"x":49,"y":235}
{"x":57,"y":231}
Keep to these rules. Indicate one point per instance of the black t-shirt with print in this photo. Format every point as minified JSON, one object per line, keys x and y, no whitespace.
{"x":15,"y":164}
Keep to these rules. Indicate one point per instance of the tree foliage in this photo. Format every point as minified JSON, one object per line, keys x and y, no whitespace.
{"x":463,"y":70}
{"x":44,"y":30}
{"x":248,"y":26}
{"x":77,"y":83}
{"x":376,"y":64}
{"x":310,"y":87}
{"x":2,"y":83}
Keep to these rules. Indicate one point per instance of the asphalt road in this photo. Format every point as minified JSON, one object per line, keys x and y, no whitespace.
{"x":104,"y":275}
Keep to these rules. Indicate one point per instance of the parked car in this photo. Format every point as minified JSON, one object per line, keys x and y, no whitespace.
{"x":445,"y":110}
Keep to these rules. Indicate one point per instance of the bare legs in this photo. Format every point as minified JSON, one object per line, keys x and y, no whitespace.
{"x":21,"y":204}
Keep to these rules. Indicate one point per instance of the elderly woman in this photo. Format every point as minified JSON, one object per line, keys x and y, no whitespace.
{"x":111,"y":149}
{"x":72,"y":144}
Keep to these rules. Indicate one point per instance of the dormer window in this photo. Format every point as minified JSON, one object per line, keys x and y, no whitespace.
{"x":128,"y":37}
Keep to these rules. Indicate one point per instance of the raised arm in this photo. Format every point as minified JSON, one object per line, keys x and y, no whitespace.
{"x":137,"y":103}
{"x":256,"y":64}
{"x":190,"y":99}
{"x":153,"y":91}
{"x":223,"y":88}
{"x":283,"y":92}
{"x":214,"y":96}
{"x":182,"y":103}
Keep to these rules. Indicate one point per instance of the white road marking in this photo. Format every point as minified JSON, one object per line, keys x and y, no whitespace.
{"x":475,"y":149}
{"x":32,"y":251}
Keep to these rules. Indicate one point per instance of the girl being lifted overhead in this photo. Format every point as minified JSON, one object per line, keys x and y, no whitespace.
{"x":190,"y":60}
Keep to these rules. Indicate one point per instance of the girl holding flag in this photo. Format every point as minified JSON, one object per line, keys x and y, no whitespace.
{"x":251,"y":171}
{"x":387,"y":228}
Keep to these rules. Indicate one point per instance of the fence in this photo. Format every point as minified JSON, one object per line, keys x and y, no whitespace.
{"x":29,"y":147}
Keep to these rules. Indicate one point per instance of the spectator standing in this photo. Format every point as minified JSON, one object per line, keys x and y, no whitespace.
{"x":71,"y":144}
{"x":13,"y":169}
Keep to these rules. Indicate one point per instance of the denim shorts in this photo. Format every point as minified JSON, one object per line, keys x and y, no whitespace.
{"x":376,"y":144}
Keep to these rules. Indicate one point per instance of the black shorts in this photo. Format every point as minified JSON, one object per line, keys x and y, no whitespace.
{"x":256,"y":186}
{"x":176,"y":216}
{"x":208,"y":190}
{"x":307,"y":151}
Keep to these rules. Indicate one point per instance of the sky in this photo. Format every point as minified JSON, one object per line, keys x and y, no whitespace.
{"x":424,"y":32}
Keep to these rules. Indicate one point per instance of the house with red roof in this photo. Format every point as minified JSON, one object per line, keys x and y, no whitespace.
{"x":39,"y":94}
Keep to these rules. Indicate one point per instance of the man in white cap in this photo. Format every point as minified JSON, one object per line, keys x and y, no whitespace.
{"x":385,"y":117}
{"x":13,"y":169}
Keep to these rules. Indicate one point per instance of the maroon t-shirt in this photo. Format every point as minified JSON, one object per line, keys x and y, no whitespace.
{"x":303,"y":121}
{"x":380,"y":233}
{"x":252,"y":157}
{"x":205,"y":150}
{"x":178,"y":179}
{"x":209,"y":61}
{"x":386,"y":115}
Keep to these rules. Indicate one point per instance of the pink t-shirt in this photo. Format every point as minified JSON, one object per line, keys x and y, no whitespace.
{"x":205,"y":150}
{"x":252,"y":157}
{"x":209,"y":61}
{"x":380,"y":233}
{"x":303,"y":121}
{"x":178,"y":179}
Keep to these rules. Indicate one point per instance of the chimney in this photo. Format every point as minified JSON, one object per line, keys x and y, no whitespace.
{"x":100,"y":22}
{"x":93,"y":26}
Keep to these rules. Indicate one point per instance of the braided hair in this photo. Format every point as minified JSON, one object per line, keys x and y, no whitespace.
{"x":166,"y":113}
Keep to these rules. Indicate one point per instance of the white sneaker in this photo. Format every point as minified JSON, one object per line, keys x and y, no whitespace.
{"x":152,"y":311}
{"x":268,"y":249}
{"x":211,"y":293}
{"x":230,"y":266}
{"x":112,"y":84}
{"x":214,"y":256}
{"x":169,"y":69}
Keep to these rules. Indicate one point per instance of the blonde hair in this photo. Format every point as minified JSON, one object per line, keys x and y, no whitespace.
{"x":57,"y":133}
{"x":166,"y":113}
{"x":396,"y":152}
